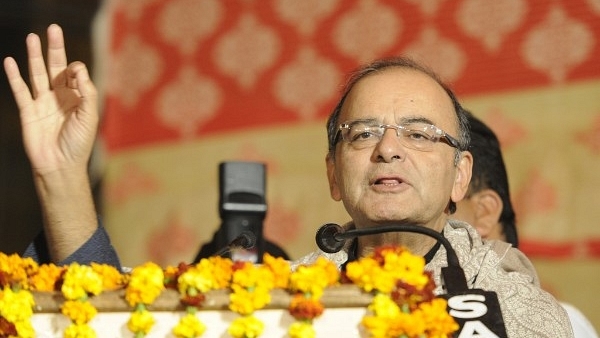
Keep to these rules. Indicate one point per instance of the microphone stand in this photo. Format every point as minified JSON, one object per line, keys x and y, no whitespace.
{"x":332,"y":237}
{"x":245,"y":240}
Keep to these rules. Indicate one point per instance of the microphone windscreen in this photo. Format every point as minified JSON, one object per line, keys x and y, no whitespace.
{"x":326,"y":240}
{"x":247,"y":240}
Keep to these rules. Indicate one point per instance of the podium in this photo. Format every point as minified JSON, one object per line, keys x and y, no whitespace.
{"x":345,"y":305}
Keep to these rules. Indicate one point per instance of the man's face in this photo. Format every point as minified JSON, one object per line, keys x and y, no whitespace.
{"x":389,"y":182}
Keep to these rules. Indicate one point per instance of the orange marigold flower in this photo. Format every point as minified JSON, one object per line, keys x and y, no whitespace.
{"x":15,"y":270}
{"x":222,"y":270}
{"x":303,"y":308}
{"x":437,"y":320}
{"x":47,"y":277}
{"x":7,"y":329}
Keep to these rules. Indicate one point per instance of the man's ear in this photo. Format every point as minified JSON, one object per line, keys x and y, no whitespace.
{"x":334,"y":189}
{"x":463,"y":176}
{"x":488,"y":206}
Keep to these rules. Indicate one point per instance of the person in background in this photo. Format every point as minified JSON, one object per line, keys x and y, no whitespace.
{"x":487,"y":205}
{"x":398,"y":154}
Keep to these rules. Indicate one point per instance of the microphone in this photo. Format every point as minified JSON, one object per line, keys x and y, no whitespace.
{"x":245,"y":240}
{"x":475,"y":310}
{"x":331,"y":237}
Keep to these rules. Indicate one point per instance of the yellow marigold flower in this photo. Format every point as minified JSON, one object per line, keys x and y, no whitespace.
{"x":79,"y":281}
{"x":383,"y":306}
{"x":313,"y":279}
{"x":250,"y":275}
{"x":378,"y":327}
{"x":79,"y":331}
{"x":302,"y":330}
{"x":364,"y":274}
{"x":140,"y":322}
{"x":280,"y":269}
{"x":145,"y":284}
{"x":112,"y":279}
{"x":16,"y":306}
{"x":79,"y":312}
{"x":384,"y":283}
{"x":329,"y":270}
{"x":407,"y":324}
{"x":402,"y":325}
{"x":189,"y":326}
{"x":208,"y":274}
{"x":24,"y":329}
{"x":246,"y":302}
{"x":196,"y":278}
{"x":46,"y":276}
{"x":246,"y":327}
{"x":407,"y":267}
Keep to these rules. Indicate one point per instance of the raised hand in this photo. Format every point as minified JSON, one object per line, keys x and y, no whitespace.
{"x":59,"y":119}
{"x":59,"y":115}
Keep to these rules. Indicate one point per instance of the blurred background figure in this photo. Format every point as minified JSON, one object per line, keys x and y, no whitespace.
{"x":487,"y":205}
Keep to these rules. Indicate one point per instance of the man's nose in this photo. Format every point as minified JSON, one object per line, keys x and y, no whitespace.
{"x":390,"y":146}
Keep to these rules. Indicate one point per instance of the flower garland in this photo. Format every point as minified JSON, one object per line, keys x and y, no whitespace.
{"x":16,"y":308}
{"x":192,"y":282}
{"x":404,"y":304}
{"x":146,"y":283}
{"x":251,"y":287}
{"x":80,"y":281}
{"x":307,"y":284}
{"x":16,"y":300}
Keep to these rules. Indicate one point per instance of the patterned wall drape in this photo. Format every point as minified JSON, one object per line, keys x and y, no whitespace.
{"x":190,"y":83}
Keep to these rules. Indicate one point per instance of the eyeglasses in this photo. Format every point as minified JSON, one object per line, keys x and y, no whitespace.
{"x":415,"y":135}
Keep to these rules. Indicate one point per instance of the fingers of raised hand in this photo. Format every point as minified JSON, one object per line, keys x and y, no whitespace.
{"x":78,"y":78}
{"x":57,"y":56}
{"x":37,"y":69}
{"x":17,"y":84}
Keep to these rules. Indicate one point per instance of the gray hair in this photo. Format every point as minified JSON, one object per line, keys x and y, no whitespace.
{"x":380,"y":65}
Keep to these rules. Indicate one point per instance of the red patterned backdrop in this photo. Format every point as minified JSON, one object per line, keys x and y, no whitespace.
{"x":191,"y":83}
